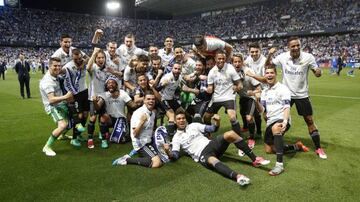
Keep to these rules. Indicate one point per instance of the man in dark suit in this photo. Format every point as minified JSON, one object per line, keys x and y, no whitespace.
{"x":2,"y":69}
{"x":22,"y":68}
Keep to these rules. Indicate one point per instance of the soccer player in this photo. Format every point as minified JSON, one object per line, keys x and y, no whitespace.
{"x":157,"y":69}
{"x":207,"y":152}
{"x":255,"y":61}
{"x":142,"y":131}
{"x":65,"y":50}
{"x":223,"y":83}
{"x":168,"y":87}
{"x":128,"y":50}
{"x":295,"y":65}
{"x":208,"y":46}
{"x":198,"y":86}
{"x":142,"y":87}
{"x":112,"y":59}
{"x":247,"y":96}
{"x":114,"y":101}
{"x":54,"y":102}
{"x":75,"y":82}
{"x":167,"y":53}
{"x":275,"y":101}
{"x":153,"y":50}
{"x":97,"y":70}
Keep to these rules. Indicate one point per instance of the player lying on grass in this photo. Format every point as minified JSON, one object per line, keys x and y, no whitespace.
{"x":142,"y":131}
{"x":54,"y":102}
{"x":192,"y":140}
{"x":275,"y":101}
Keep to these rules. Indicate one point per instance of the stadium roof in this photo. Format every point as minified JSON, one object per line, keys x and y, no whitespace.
{"x":186,"y":7}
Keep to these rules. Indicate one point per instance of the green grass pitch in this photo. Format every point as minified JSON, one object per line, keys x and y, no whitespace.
{"x":26,"y":174}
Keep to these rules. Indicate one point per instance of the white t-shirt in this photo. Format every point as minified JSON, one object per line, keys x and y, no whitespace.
{"x":115,"y":107}
{"x":188,"y":67}
{"x":97,"y":81}
{"x":167,"y":93}
{"x":73,"y":71}
{"x":192,"y":140}
{"x":258,"y":66}
{"x":49,"y":84}
{"x":147,"y":131}
{"x":275,"y":100}
{"x":295,"y":72}
{"x":223,"y":80}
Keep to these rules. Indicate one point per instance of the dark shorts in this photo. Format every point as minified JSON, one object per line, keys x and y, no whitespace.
{"x":247,"y":106}
{"x":269,"y":136}
{"x":93,"y":111}
{"x":81,"y":101}
{"x":170,"y":104}
{"x":198,"y":108}
{"x":216,"y":148}
{"x":303,"y":106}
{"x":148,"y":151}
{"x":214,"y":107}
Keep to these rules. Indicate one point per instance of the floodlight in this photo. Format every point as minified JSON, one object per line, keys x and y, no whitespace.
{"x":112,"y":5}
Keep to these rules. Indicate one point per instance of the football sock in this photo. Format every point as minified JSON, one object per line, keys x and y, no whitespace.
{"x":315,"y":136}
{"x":243,"y":117}
{"x":91,"y":129}
{"x":235,"y":126}
{"x":224,"y":170}
{"x":171,"y":128}
{"x":241,"y":144}
{"x":197,"y":118}
{"x":144,"y":161}
{"x":290,"y":148}
{"x":51,"y":140}
{"x":257,"y":119}
{"x":103,"y":130}
{"x":279,"y":146}
{"x":76,"y":133}
{"x":251,"y":130}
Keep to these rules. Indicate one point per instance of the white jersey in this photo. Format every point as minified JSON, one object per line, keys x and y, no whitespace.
{"x":49,"y":84}
{"x":213,"y":44}
{"x":115,"y":107}
{"x":188,"y":67}
{"x":295,"y":72}
{"x":64,"y":57}
{"x":192,"y":140}
{"x":223,"y":80}
{"x":130,"y":75}
{"x":165,"y":58}
{"x":258,"y":66}
{"x":126,"y":54}
{"x":73,"y":72}
{"x":168,"y":91}
{"x":275,"y":100}
{"x":249,"y":83}
{"x":111,"y":64}
{"x":146,"y":132}
{"x":97,"y":81}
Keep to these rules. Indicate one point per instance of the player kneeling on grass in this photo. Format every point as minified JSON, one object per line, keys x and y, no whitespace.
{"x":114,"y":101}
{"x":275,"y":101}
{"x":54,"y":102}
{"x":192,"y":140}
{"x":142,"y":131}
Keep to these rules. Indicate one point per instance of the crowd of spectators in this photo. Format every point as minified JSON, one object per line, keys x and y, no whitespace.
{"x":31,"y":28}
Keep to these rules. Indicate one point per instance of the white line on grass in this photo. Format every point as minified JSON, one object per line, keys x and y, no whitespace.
{"x":334,"y":96}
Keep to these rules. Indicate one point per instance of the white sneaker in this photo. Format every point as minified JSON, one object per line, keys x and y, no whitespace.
{"x":48,"y":151}
{"x":241,"y":153}
{"x":243,"y":180}
{"x":121,"y":161}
